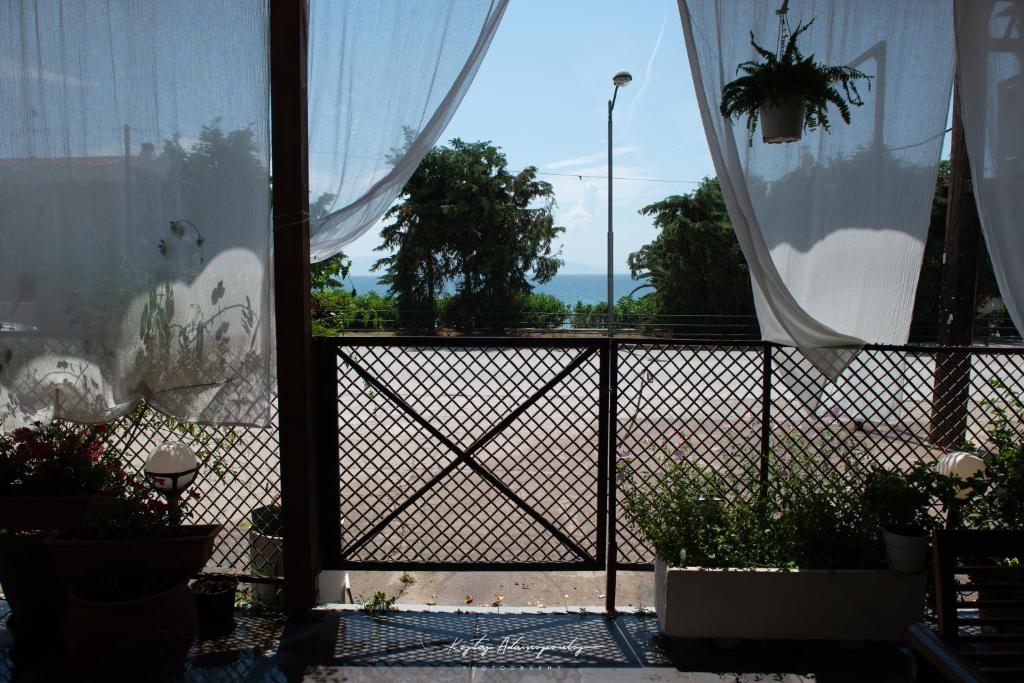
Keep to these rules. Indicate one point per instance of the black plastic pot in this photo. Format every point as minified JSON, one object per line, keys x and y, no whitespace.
{"x":215,"y":604}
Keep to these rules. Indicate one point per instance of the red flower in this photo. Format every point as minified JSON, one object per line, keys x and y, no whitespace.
{"x":22,"y":435}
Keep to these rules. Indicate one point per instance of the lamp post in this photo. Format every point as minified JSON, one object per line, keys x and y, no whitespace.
{"x":621,"y":79}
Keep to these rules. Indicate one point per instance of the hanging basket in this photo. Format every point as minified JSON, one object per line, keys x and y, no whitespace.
{"x":783,"y":122}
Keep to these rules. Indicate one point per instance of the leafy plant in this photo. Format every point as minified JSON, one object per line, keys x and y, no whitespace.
{"x":136,"y":510}
{"x":543,"y":310}
{"x":379,"y":602}
{"x":808,"y":517}
{"x":901,"y":501}
{"x":997,"y":499}
{"x":790,"y":76}
{"x":57,"y":459}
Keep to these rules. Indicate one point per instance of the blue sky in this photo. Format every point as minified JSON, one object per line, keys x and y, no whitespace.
{"x":541,"y":95}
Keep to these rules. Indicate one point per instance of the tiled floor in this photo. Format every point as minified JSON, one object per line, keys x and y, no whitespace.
{"x":480,"y":645}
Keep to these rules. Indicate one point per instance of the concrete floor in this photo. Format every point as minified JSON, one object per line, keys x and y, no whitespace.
{"x":568,"y":590}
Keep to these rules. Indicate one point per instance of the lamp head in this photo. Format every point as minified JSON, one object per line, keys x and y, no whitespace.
{"x":622,"y":78}
{"x":171,"y":467}
{"x":962,"y":466}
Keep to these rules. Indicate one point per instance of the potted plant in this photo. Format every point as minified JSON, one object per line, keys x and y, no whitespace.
{"x":215,"y":604}
{"x":49,"y":477}
{"x":266,"y":551}
{"x":795,"y":560}
{"x":901,"y":504}
{"x":127,"y":569}
{"x":788,"y":92}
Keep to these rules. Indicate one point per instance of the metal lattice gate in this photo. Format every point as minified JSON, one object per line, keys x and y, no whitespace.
{"x":463,"y":453}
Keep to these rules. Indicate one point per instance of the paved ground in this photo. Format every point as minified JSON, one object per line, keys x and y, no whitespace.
{"x":477,"y":644}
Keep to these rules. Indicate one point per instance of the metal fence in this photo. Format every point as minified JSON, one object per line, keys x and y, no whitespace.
{"x":482,"y":453}
{"x":742,"y":409}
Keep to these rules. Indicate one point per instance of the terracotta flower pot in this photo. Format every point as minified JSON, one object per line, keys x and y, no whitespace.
{"x":35,"y":593}
{"x":783,"y":122}
{"x":32,"y":587}
{"x":146,"y":638}
{"x":83,"y":562}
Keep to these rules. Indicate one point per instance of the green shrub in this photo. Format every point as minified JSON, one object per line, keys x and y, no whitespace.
{"x":543,"y":310}
{"x":997,"y":493}
{"x":809,"y":516}
{"x":337,"y":310}
{"x":640,"y":312}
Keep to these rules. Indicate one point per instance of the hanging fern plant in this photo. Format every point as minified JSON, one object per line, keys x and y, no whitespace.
{"x":789,"y":92}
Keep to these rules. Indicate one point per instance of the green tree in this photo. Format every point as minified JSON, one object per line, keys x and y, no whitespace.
{"x":695,"y":264}
{"x":467,"y":223}
{"x":929,"y":285}
{"x":327,"y":274}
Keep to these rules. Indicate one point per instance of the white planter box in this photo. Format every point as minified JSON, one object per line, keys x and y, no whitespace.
{"x":799,"y":605}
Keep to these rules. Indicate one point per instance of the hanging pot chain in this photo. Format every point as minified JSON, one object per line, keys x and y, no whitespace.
{"x":784,"y":30}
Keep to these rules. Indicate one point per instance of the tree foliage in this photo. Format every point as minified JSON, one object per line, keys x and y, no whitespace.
{"x":466,"y":223}
{"x":327,"y":274}
{"x":694,"y":264}
{"x":929,"y":286}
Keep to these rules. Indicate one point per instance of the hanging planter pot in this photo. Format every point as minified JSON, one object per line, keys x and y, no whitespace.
{"x":783,"y":122}
{"x":801,"y":89}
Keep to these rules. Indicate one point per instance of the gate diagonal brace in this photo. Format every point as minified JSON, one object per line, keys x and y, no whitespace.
{"x":466,"y":455}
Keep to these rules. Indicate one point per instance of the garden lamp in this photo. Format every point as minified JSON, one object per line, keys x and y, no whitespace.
{"x":619,"y":80}
{"x":171,"y":468}
{"x":962,"y":466}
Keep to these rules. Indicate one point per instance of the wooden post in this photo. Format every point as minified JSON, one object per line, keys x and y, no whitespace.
{"x":289,"y":146}
{"x":951,"y":386}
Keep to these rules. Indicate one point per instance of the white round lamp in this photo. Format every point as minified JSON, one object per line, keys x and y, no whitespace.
{"x":171,"y":467}
{"x":960,"y":465}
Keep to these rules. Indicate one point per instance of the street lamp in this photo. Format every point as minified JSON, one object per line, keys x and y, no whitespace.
{"x":621,"y":79}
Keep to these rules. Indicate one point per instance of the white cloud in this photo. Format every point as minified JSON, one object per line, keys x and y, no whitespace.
{"x":590,"y":158}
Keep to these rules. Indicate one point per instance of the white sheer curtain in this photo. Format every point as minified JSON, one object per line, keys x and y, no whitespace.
{"x":385,"y":78}
{"x":134,"y":209}
{"x":990,"y":50}
{"x":833,"y":227}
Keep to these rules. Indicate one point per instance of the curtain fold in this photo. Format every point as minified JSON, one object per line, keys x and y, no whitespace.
{"x":833,"y":226}
{"x":385,"y":78}
{"x":134,"y":210}
{"x":990,"y":54}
